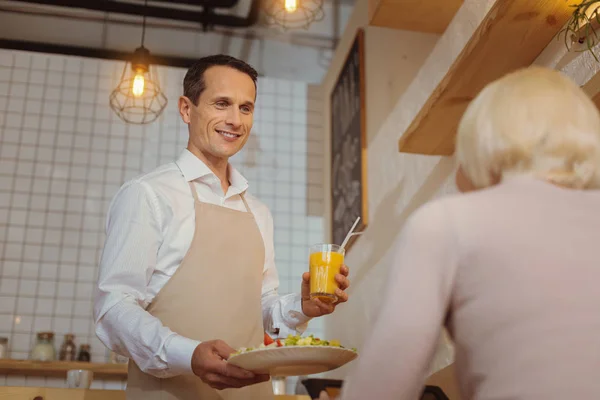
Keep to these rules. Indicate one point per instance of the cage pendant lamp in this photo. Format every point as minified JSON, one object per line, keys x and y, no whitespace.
{"x":293,"y":14}
{"x":138,"y":98}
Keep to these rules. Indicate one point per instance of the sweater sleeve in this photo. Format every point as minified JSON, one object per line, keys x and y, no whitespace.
{"x":395,"y":359}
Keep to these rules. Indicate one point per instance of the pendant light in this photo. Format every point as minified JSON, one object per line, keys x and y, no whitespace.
{"x":138,"y":98}
{"x":293,"y":14}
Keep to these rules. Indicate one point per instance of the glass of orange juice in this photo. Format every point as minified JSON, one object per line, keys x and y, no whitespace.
{"x":324,"y":264}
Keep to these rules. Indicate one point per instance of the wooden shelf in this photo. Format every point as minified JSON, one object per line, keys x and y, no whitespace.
{"x":25,"y":393}
{"x":60,"y":368}
{"x":511,"y":36}
{"x":43,"y":393}
{"x":413,"y":15}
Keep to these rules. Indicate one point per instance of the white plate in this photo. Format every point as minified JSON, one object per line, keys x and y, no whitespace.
{"x":293,"y":360}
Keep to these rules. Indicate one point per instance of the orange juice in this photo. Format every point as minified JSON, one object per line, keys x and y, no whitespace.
{"x":324,"y":264}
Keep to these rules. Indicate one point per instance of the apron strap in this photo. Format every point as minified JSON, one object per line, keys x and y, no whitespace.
{"x":194,"y":193}
{"x":245,"y":203}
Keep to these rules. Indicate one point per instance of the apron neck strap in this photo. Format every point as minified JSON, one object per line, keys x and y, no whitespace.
{"x":193,"y":189}
{"x":245,"y":203}
{"x":195,"y":194}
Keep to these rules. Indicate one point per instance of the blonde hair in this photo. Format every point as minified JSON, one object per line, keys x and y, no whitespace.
{"x":535,"y":122}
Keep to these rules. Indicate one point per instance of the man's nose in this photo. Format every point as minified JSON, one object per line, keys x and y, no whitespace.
{"x":234,"y":117}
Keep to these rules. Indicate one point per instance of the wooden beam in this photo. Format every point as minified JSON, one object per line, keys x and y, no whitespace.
{"x":413,"y":15}
{"x":511,"y":36}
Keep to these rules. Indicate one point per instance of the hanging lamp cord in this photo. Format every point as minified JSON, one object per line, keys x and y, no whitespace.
{"x":144,"y":22}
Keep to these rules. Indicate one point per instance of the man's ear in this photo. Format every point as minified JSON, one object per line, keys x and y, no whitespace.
{"x":185,"y":109}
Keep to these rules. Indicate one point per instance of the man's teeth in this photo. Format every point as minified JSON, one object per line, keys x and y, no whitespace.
{"x":229,"y":135}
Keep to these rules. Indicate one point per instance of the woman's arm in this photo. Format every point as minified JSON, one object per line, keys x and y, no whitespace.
{"x":394,"y":361}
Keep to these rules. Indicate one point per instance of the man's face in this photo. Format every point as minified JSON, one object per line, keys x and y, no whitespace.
{"x":220,"y":124}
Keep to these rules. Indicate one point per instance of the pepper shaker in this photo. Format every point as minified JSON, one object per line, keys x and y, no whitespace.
{"x":68,"y":349}
{"x":84,"y":353}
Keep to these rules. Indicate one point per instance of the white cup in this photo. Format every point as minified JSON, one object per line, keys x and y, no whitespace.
{"x":278,"y":384}
{"x":79,"y":379}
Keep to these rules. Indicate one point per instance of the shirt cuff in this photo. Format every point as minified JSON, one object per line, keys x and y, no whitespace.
{"x":179,"y":354}
{"x":294,"y":320}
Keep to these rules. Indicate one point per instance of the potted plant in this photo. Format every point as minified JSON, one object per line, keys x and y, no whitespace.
{"x":582,"y":30}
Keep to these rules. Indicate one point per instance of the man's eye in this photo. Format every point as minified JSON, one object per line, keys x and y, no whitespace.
{"x":246,"y":109}
{"x":221,"y":104}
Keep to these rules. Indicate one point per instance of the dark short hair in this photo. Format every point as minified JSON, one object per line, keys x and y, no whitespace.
{"x":193,"y":83}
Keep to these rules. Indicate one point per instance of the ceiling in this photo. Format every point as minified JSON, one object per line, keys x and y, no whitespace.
{"x":178,"y":32}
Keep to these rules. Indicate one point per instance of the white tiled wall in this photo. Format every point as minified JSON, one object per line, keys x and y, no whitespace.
{"x":64,"y":154}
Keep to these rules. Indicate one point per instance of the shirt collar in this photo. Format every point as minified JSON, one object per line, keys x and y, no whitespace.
{"x":193,"y":168}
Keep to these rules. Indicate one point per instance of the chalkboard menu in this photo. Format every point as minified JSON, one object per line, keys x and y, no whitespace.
{"x":348,"y":145}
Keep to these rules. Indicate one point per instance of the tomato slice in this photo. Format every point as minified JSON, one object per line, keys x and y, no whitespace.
{"x":279,"y":343}
{"x":267,"y":339}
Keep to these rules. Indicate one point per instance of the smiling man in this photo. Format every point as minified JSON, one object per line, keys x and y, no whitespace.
{"x":188,"y":269}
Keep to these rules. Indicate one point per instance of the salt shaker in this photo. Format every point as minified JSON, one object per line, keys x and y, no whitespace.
{"x":44,"y":347}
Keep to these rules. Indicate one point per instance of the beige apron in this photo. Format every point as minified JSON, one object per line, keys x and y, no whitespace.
{"x":214,"y":294}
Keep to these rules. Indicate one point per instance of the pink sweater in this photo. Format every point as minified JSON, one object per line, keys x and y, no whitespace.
{"x":514,"y":271}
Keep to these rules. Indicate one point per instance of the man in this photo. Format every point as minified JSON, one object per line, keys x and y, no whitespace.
{"x":188,"y":274}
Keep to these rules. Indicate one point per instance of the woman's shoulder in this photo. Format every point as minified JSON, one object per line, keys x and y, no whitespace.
{"x":455,"y":209}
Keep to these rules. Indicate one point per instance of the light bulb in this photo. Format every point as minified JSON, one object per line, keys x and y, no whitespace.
{"x":138,"y":85}
{"x":291,"y":5}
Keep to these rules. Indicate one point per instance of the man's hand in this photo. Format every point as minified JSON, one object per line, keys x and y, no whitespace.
{"x":317,"y":308}
{"x":209,"y":364}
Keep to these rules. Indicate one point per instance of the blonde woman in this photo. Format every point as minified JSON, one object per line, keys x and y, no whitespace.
{"x":512,"y":267}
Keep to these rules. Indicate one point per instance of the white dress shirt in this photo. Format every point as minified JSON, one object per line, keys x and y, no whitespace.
{"x":149,"y":229}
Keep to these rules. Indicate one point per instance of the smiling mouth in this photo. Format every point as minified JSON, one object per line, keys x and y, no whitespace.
{"x":228,"y":135}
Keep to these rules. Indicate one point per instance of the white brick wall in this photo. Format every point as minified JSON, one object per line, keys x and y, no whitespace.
{"x":64,"y":154}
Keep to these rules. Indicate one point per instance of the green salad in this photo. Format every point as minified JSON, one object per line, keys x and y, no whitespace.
{"x":292,"y":340}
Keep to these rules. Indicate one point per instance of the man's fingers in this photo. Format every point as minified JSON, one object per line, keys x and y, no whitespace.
{"x":217,"y":386}
{"x":227,"y":370}
{"x":306,"y":277}
{"x":343,"y":282}
{"x":218,"y":381}
{"x":232,"y":371}
{"x":226,"y":381}
{"x":263,"y":377}
{"x":223,"y":349}
{"x":219,"y":366}
{"x":344,"y":270}
{"x":341,"y":295}
{"x":222,"y":382}
{"x":324,"y":307}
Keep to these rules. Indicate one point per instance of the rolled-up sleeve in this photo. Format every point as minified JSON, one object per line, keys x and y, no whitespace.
{"x":133,"y":236}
